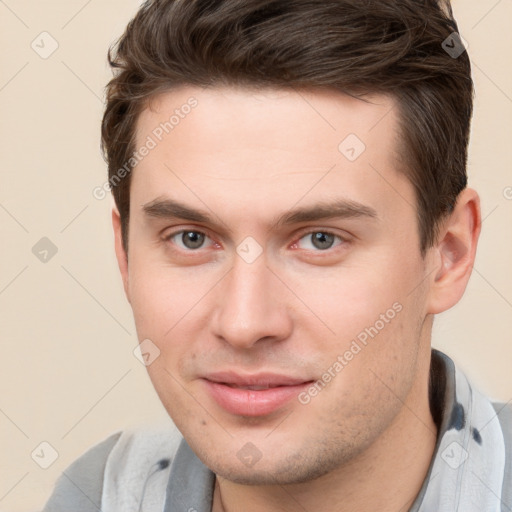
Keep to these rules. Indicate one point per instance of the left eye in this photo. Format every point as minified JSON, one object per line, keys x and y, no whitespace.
{"x":189,"y":239}
{"x":319,"y":240}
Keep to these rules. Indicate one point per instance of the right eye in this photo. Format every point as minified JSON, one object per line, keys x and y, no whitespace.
{"x":188,"y":239}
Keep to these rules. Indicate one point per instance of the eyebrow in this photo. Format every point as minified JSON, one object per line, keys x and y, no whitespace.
{"x":168,"y":208}
{"x":337,"y":209}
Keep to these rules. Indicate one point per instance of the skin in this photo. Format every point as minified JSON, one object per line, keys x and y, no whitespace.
{"x":245,"y":158}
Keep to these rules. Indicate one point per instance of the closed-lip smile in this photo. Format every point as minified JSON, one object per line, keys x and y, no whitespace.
{"x":252,"y":394}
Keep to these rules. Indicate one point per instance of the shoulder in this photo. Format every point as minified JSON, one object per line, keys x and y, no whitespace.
{"x":138,"y":467}
{"x":80,"y":483}
{"x":504,"y":415}
{"x":119,"y":472}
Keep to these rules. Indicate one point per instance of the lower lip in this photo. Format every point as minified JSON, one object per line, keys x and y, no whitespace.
{"x":248,"y":402}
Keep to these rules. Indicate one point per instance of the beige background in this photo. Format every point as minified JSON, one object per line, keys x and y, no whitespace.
{"x":68,"y":375}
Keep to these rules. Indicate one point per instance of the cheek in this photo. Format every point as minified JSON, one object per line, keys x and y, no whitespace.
{"x":348,"y":302}
{"x":185,"y":412}
{"x":365,"y":383}
{"x":161,"y":296}
{"x":152,"y":306}
{"x":171,"y":308}
{"x":375,"y":329}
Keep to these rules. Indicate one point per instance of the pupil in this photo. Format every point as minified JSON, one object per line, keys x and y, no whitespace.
{"x":322,"y":240}
{"x":192,"y":239}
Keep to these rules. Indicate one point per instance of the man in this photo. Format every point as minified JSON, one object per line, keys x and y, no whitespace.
{"x":291,"y":213}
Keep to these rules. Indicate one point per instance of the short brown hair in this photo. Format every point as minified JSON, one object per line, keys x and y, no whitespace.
{"x":394,"y":47}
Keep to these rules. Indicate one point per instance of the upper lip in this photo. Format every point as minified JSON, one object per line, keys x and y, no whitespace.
{"x":257,"y":379}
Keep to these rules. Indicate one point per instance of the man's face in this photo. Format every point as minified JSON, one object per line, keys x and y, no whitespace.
{"x":239,"y":276}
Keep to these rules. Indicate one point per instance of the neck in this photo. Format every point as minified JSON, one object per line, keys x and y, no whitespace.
{"x":386,"y":477}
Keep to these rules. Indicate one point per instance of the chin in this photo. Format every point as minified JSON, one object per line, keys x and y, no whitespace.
{"x":289,"y":469}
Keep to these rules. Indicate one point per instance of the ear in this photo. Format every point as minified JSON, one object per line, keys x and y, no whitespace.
{"x":454,"y":254}
{"x":122,"y":257}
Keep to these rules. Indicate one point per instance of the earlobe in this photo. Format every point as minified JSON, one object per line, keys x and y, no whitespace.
{"x":122,"y":257}
{"x":455,"y":252}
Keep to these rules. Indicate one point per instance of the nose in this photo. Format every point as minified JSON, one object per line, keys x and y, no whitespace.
{"x":251,"y":306}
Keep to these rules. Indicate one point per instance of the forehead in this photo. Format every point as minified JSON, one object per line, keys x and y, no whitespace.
{"x":268,"y":148}
{"x":275,"y":116}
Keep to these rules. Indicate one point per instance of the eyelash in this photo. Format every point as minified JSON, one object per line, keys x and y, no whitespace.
{"x":170,"y":236}
{"x":341,"y":239}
